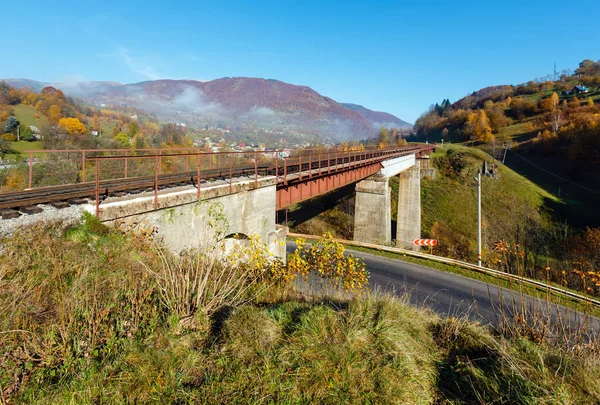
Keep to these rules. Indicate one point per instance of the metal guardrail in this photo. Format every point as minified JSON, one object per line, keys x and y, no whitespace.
{"x":453,"y":262}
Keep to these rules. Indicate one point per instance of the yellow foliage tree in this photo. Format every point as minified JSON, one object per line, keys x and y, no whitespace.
{"x":151,"y":128}
{"x":31,"y":99}
{"x":575,"y":102}
{"x":54,"y":113}
{"x":73,"y":126}
{"x":325,"y":259}
{"x":555,"y":100}
{"x":478,"y":126}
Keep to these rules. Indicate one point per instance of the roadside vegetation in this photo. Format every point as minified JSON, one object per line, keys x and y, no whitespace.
{"x":92,"y":315}
{"x":522,"y":232}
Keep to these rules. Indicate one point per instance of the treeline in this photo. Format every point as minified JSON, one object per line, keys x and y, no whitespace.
{"x":558,"y":116}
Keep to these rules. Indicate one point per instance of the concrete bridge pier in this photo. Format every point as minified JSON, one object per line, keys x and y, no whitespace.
{"x":409,"y":208}
{"x":372,"y":213}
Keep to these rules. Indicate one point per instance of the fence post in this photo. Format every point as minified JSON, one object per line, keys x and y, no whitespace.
{"x":159,"y":161}
{"x":156,"y":169}
{"x":30,"y":168}
{"x":97,"y":187}
{"x":82,"y":167}
{"x":319,"y":157}
{"x":126,"y":163}
{"x":255,"y":171}
{"x":198,"y":164}
{"x":276,"y":169}
{"x":230,"y":173}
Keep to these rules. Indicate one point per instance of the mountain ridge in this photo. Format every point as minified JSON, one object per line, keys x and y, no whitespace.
{"x":244,"y":103}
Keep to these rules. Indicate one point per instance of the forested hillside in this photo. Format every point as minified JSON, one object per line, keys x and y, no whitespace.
{"x":62,"y":122}
{"x":550,"y":117}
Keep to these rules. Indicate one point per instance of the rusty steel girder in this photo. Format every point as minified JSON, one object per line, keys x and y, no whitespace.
{"x":308,"y":188}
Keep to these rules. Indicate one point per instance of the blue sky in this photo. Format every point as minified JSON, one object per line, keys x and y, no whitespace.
{"x":398,"y":56}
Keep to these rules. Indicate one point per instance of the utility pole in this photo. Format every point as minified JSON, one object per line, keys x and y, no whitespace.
{"x":478,"y":179}
{"x":484,"y":170}
{"x":505,"y":149}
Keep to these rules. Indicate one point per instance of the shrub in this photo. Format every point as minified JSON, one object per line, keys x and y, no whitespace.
{"x":453,"y":163}
{"x":325,"y":258}
{"x":207,"y":281}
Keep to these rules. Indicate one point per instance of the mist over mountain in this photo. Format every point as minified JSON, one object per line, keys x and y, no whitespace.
{"x":240,"y":104}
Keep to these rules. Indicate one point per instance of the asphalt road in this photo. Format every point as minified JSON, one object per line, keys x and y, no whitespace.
{"x":451,"y":294}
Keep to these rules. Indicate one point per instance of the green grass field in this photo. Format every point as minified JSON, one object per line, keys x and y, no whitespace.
{"x":449,"y":202}
{"x":22,"y":146}
{"x":26,"y":115}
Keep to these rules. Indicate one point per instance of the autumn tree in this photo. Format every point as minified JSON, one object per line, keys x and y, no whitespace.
{"x":73,"y":126}
{"x":383,"y":139}
{"x":96,"y":122}
{"x":575,"y":102}
{"x":556,"y":113}
{"x":170,"y":135}
{"x":478,"y":126}
{"x":588,"y":68}
{"x":548,"y":104}
{"x":151,"y":128}
{"x":139,"y":142}
{"x":132,"y":129}
{"x":497,"y":119}
{"x":123,"y":140}
{"x":54,"y":113}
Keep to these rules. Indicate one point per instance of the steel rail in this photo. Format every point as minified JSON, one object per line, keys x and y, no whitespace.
{"x":88,"y":189}
{"x":458,"y":263}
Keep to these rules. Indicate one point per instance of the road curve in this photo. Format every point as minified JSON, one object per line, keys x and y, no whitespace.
{"x":452,"y":294}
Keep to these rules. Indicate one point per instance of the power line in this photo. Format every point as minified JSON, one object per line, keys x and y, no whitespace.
{"x":557,"y":176}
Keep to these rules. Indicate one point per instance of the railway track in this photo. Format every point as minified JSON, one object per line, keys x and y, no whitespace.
{"x":295,"y":168}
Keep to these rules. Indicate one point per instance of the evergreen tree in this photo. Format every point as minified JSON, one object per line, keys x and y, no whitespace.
{"x":11,"y":124}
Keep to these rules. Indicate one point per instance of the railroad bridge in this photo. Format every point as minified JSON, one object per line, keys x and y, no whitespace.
{"x":187,"y":196}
